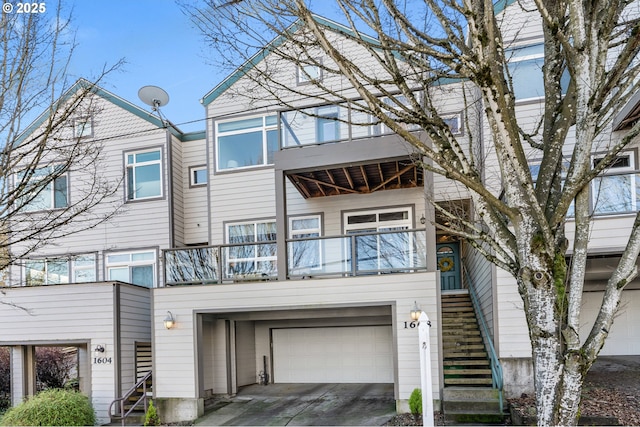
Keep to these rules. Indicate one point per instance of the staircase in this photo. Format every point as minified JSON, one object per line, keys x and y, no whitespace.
{"x":469,"y":396}
{"x":131,"y":408}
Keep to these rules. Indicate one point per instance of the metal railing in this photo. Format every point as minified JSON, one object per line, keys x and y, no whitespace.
{"x":395,"y":251}
{"x":496,"y":367}
{"x":144,"y":399}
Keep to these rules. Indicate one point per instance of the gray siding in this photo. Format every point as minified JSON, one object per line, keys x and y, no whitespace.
{"x":135,"y":326}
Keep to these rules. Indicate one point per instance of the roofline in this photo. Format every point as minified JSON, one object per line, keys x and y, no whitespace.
{"x":243,"y":69}
{"x":105,"y":94}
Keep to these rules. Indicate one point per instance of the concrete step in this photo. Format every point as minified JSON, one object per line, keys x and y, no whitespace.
{"x":461,"y":332}
{"x":456,"y":308}
{"x":475,"y":405}
{"x":136,"y":418}
{"x":447,"y":321}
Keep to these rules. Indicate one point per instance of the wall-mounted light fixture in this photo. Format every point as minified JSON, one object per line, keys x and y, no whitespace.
{"x":415,"y":312}
{"x":423,"y":220}
{"x":169,"y":321}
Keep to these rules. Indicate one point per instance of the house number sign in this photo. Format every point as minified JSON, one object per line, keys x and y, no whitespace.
{"x":102,"y":360}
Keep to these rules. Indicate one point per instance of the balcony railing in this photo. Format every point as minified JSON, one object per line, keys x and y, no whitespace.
{"x":398,"y":251}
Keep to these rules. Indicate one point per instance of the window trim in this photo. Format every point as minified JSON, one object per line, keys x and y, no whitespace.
{"x":256,"y":243}
{"x":612,"y":171}
{"x":265,"y":128}
{"x":301,"y":77}
{"x":293,"y":233}
{"x":458,"y":116}
{"x":77,"y":122}
{"x":160,"y":162}
{"x":71,"y":268}
{"x":129,"y":264}
{"x":52,"y":190}
{"x":192,"y":176}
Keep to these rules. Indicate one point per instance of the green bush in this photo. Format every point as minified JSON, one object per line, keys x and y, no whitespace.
{"x":415,"y":402}
{"x":151,"y":417}
{"x":54,"y":407}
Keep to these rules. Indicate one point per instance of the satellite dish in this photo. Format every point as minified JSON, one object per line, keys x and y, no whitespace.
{"x":153,"y":96}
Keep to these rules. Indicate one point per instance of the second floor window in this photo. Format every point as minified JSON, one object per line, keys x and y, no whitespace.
{"x":51,"y":271}
{"x":617,"y":190}
{"x":247,"y":255}
{"x":144,"y":174}
{"x":246,"y":142}
{"x":132,"y":267}
{"x":44,"y":190}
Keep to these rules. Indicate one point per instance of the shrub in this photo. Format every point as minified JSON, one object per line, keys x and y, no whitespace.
{"x":151,"y":418}
{"x":415,"y":402}
{"x":54,"y":407}
{"x":54,"y":367}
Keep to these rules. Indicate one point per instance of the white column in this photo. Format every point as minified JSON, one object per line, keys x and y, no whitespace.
{"x":426,"y":382}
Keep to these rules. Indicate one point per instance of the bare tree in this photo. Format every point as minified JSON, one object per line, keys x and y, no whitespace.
{"x":45,"y":121}
{"x":397,"y":77}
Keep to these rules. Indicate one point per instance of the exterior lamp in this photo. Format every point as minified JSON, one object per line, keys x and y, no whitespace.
{"x":415,"y":312}
{"x":169,"y":321}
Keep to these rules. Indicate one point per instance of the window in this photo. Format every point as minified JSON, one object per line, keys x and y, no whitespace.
{"x":304,"y":255}
{"x":83,"y":127}
{"x":45,"y":189}
{"x":246,"y":256}
{"x":380,"y":251}
{"x":616,"y":191}
{"x":525,"y":68}
{"x":144,"y":177}
{"x":246,"y":142}
{"x":74,"y":269}
{"x":138,"y":268}
{"x":327,"y":124}
{"x":308,"y":73}
{"x":198,"y":175}
{"x":454,"y":121}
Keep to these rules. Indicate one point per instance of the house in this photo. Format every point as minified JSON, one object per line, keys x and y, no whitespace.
{"x":103,"y":270}
{"x":286,"y":247}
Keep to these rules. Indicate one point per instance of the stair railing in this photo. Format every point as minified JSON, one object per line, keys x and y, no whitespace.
{"x":144,"y":399}
{"x":496,"y":367}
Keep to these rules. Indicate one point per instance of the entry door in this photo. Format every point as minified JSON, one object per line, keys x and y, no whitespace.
{"x":448,"y":255}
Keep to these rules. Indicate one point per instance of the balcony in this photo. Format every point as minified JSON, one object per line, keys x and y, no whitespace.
{"x":332,"y":256}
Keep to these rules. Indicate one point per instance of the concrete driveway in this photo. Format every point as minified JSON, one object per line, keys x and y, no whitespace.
{"x":305,"y":405}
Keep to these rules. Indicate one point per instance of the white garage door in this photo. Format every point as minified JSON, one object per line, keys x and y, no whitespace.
{"x":624,"y":336}
{"x":333,"y":355}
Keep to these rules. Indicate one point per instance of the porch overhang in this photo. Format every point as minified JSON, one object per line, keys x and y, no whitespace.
{"x":363,"y":178}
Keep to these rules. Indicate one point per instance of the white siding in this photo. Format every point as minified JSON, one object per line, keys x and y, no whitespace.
{"x":245,"y":351}
{"x":194,"y":153}
{"x":512,"y":325}
{"x":66,"y":314}
{"x":175,"y":368}
{"x":139,"y":224}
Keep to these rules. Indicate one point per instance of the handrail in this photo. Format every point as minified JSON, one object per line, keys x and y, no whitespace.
{"x":144,"y":398}
{"x":496,"y":367}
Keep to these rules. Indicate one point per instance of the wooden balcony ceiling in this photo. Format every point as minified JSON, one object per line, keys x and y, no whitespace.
{"x":358,"y":179}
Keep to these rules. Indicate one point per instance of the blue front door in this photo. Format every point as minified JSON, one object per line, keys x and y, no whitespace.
{"x":448,"y":256}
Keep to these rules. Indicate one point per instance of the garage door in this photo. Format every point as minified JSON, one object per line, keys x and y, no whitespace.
{"x":333,"y":355}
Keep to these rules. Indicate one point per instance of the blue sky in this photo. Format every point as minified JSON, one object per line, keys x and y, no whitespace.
{"x":160,"y":46}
